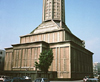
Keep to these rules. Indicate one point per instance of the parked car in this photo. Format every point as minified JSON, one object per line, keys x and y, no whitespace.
{"x":42,"y":80}
{"x":5,"y":79}
{"x":1,"y":79}
{"x":92,"y":80}
{"x":26,"y":79}
{"x":21,"y":79}
{"x":16,"y":79}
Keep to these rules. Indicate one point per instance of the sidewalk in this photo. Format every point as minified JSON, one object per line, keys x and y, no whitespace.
{"x":67,"y":81}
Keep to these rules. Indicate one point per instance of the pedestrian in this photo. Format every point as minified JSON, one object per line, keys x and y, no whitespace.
{"x":85,"y":79}
{"x":42,"y":80}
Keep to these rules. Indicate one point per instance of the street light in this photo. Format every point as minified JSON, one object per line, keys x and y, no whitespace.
{"x":36,"y":70}
{"x":26,"y":71}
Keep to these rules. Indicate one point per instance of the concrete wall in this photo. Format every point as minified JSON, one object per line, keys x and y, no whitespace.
{"x":61,"y":62}
{"x":8,"y":59}
{"x":81,"y":62}
{"x":23,"y":56}
{"x":69,"y":36}
{"x":51,"y":37}
{"x":2,"y":56}
{"x":47,"y":37}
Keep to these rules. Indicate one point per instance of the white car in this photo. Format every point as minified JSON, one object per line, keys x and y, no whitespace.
{"x":92,"y":80}
{"x":41,"y":80}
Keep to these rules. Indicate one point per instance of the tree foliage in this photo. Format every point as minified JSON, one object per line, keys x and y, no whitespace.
{"x":45,"y":60}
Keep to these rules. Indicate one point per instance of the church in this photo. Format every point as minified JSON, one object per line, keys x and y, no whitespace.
{"x":71,"y":58}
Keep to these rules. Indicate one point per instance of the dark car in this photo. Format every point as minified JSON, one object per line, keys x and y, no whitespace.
{"x":16,"y":79}
{"x":26,"y":79}
{"x":42,"y":80}
{"x":21,"y":79}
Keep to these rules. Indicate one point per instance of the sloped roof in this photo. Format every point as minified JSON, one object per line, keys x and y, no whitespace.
{"x":48,"y":26}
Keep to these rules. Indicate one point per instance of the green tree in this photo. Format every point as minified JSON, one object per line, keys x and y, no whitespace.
{"x":45,"y":60}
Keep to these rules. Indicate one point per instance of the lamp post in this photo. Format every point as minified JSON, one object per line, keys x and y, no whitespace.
{"x":26,"y":72}
{"x":36,"y":70}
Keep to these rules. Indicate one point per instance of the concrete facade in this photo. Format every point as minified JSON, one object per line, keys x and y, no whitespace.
{"x":96,"y":69}
{"x":53,"y":9}
{"x":2,"y":56}
{"x":71,"y":58}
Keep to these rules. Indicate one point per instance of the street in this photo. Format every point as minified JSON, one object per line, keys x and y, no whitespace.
{"x":68,"y":81}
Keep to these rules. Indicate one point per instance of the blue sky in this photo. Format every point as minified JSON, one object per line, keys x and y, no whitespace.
{"x":20,"y":17}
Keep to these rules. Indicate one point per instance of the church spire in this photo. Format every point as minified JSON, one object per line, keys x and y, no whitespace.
{"x":53,"y":10}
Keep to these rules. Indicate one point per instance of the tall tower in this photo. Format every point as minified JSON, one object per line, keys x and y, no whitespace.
{"x":54,"y":10}
{"x":53,"y":17}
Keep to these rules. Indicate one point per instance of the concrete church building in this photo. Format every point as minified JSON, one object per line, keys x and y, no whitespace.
{"x":71,"y":58}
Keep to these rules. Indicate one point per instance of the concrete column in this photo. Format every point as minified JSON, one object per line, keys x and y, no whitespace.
{"x":53,"y":37}
{"x":52,"y":10}
{"x":30,"y":57}
{"x":48,"y":38}
{"x":70,"y":61}
{"x":59,"y":60}
{"x":21,"y":58}
{"x":56,"y":59}
{"x":64,"y":36}
{"x":58,"y":36}
{"x":43,"y":11}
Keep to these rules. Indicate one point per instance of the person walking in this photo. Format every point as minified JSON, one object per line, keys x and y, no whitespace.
{"x":85,"y":79}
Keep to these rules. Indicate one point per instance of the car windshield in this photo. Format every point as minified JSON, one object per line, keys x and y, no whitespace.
{"x":92,"y":81}
{"x":38,"y":80}
{"x":41,"y":80}
{"x":26,"y":80}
